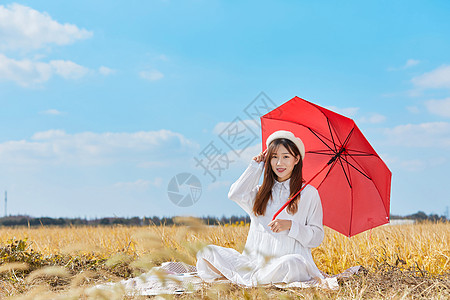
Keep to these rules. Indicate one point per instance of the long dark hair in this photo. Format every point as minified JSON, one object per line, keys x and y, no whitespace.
{"x":265,"y":191}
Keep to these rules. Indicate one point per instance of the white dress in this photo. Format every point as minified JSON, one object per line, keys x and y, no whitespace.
{"x":288,"y":252}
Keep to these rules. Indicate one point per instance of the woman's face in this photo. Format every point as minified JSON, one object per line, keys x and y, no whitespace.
{"x":283,"y":163}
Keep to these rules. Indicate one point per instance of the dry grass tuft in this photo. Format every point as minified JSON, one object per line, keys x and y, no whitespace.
{"x":400,"y":262}
{"x":15,"y":266}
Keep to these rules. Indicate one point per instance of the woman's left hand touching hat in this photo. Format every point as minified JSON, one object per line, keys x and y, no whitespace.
{"x":260,"y":157}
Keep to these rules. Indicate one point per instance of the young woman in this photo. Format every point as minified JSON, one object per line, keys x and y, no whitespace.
{"x":279,"y":250}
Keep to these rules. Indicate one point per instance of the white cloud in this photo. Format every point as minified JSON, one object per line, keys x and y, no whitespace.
{"x":413,"y":109}
{"x":415,"y":164}
{"x":252,"y":124}
{"x":151,"y":75}
{"x":24,"y":72}
{"x":106,"y":71}
{"x":88,"y":148}
{"x":49,"y":134}
{"x":68,"y":69}
{"x":163,"y":57}
{"x":409,"y":63}
{"x":433,"y":134}
{"x":388,"y":158}
{"x":245,"y":155}
{"x":28,"y":73}
{"x":22,"y":27}
{"x":373,"y":119}
{"x":140,"y":184}
{"x":54,"y":112}
{"x":352,"y":112}
{"x":26,"y":29}
{"x":249,"y":152}
{"x":438,"y":78}
{"x":439,"y":107}
{"x":349,"y":112}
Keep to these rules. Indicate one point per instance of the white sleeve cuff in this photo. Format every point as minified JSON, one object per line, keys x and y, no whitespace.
{"x":293,"y":232}
{"x":255,"y":164}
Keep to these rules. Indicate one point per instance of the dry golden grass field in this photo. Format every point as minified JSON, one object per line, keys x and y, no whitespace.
{"x":399,"y":262}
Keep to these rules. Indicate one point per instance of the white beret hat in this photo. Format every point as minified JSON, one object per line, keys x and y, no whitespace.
{"x":283,"y":134}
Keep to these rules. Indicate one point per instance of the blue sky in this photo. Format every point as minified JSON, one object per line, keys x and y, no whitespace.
{"x":103,"y":103}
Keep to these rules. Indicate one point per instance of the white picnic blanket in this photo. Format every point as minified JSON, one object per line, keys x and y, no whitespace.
{"x":179,"y":278}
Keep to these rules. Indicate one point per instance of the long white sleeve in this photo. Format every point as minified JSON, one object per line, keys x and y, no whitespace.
{"x":244,"y":190}
{"x":309,"y":233}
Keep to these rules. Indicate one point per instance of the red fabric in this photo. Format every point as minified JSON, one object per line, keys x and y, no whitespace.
{"x":355,"y":189}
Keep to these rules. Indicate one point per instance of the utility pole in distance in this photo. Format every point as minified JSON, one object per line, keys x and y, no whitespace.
{"x":6,"y":201}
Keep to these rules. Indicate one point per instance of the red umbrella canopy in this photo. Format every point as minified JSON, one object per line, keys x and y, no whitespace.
{"x":353,"y":181}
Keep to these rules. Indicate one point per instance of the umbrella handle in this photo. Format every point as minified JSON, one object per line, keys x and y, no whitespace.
{"x":286,"y":204}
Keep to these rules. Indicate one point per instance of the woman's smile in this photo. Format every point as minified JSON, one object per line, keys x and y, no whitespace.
{"x":283,"y":163}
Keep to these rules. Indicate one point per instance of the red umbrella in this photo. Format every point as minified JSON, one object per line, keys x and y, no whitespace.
{"x":353,"y":182}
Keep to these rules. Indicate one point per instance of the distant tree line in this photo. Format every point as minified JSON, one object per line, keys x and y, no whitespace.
{"x":168,"y":221}
{"x":421,"y":216}
{"x":134,"y":221}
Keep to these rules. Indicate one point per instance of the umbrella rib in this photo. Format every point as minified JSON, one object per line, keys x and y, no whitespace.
{"x":376,"y":186}
{"x":319,"y":152}
{"x":351,"y":209}
{"x":345,"y":173}
{"x":368,"y":154}
{"x":348,"y":137}
{"x":365,"y":175}
{"x":351,"y":203}
{"x":321,"y":139}
{"x":331,"y":133}
{"x":359,"y":151}
{"x":326,"y":175}
{"x":315,"y":133}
